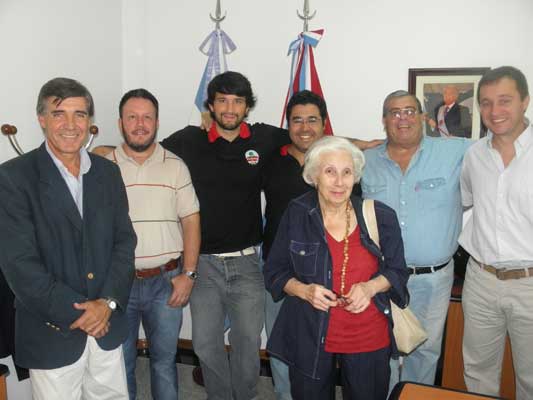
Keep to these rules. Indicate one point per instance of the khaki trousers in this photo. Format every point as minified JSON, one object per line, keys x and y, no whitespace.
{"x":97,"y":375}
{"x":492,"y":308}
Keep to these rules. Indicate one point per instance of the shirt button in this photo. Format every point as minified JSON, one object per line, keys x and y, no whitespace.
{"x":402,"y":202}
{"x":386,"y":311}
{"x":302,"y":252}
{"x":90,"y":275}
{"x":402,"y":223}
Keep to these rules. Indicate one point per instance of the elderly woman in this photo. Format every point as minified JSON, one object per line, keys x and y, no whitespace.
{"x":338,"y":282}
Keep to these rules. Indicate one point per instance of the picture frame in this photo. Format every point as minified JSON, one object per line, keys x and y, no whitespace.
{"x":436,"y":88}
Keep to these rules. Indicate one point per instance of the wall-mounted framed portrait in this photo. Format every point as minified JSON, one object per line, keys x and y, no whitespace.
{"x":448,"y":96}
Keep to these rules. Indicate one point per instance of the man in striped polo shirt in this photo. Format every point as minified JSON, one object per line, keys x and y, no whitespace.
{"x":164,"y":210}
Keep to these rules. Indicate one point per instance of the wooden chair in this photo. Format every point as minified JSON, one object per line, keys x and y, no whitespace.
{"x":452,"y":372}
{"x":11,"y":130}
{"x":4,"y":372}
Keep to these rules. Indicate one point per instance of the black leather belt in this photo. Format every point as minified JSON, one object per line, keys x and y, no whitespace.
{"x":426,"y":270}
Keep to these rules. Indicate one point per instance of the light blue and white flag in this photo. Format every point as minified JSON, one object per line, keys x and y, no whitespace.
{"x":215,"y":46}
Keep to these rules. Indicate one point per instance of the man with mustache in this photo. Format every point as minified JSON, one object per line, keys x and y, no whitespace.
{"x":418,"y":176}
{"x":165,"y":215}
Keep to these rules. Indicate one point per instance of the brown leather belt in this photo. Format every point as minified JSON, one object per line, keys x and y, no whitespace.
{"x":505,"y":274}
{"x":151,"y":272}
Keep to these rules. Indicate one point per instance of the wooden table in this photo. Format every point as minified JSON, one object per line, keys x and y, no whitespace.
{"x":417,"y":391}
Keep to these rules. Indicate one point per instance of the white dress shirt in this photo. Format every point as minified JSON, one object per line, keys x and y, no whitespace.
{"x":500,"y":231}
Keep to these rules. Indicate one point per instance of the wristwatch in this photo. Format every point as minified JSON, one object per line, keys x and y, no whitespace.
{"x":111,"y":303}
{"x":192,"y":275}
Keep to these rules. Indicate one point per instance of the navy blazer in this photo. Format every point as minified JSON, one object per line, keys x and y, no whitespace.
{"x":51,"y":258}
{"x":458,"y":120}
{"x":301,"y":251}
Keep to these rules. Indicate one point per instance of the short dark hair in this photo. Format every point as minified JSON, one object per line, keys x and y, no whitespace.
{"x":398,"y":94}
{"x":139,"y":94}
{"x":61,"y":89}
{"x":494,"y":75}
{"x":307,"y":97}
{"x":230,"y":82}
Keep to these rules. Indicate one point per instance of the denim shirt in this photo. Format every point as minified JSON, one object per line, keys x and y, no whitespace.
{"x":426,"y":198}
{"x":301,"y":251}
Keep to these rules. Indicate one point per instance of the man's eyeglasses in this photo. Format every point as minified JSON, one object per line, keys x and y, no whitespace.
{"x":408,"y":112}
{"x":309,"y":120}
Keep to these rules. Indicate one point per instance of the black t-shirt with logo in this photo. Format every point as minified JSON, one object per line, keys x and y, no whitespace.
{"x":227,"y":177}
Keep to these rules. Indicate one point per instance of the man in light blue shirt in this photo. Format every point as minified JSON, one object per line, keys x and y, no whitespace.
{"x":418,"y":177}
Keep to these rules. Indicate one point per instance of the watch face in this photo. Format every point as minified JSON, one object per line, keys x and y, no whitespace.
{"x":191,"y":274}
{"x":112,"y":304}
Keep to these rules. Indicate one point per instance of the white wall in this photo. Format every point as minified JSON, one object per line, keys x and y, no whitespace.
{"x":365,"y":52}
{"x":112,"y":46}
{"x":40,"y":40}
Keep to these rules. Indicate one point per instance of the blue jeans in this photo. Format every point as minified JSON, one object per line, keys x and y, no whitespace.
{"x":231,"y":286}
{"x":430,"y":298}
{"x":280,"y":370}
{"x":148,"y":302}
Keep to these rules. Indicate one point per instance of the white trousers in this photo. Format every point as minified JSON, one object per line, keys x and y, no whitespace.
{"x":492,"y":308}
{"x":98,"y":375}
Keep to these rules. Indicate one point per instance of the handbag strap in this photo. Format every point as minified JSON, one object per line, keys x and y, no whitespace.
{"x":369,"y":214}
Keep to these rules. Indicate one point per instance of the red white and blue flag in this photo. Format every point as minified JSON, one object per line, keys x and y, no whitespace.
{"x":304,"y":75}
{"x":215,"y":46}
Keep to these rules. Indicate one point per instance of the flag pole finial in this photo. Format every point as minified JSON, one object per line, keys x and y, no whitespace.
{"x":306,"y":15}
{"x":218,"y":18}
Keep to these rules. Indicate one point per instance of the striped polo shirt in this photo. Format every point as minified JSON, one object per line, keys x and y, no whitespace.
{"x":160,"y":193}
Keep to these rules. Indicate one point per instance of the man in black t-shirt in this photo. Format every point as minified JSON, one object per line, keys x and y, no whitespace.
{"x":226,"y":165}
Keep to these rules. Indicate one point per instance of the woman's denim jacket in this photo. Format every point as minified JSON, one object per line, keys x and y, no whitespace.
{"x":300,"y":251}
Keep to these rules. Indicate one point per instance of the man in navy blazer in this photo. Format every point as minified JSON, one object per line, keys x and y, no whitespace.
{"x":451,"y":118}
{"x":67,"y":252}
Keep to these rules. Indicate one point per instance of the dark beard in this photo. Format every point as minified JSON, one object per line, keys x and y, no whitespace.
{"x":227,"y":127}
{"x":138,"y":148}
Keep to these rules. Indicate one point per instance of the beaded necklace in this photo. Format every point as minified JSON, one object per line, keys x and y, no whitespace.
{"x":345,"y":252}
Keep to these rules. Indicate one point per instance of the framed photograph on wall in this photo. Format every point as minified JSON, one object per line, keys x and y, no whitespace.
{"x":448,"y":96}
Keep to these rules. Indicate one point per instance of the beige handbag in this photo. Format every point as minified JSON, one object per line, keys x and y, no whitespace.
{"x":408,"y":330}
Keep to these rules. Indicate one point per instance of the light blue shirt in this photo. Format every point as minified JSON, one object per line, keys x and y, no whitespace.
{"x":75,"y":184}
{"x":427,"y":198}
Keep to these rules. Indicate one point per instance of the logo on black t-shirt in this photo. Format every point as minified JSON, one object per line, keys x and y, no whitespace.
{"x":252,"y":157}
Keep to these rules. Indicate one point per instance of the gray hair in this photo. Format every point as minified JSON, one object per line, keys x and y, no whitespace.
{"x":61,"y":89}
{"x":330,"y":144}
{"x":397,"y":94}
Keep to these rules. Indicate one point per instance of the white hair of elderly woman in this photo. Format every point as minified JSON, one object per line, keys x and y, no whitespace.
{"x":331,"y":144}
